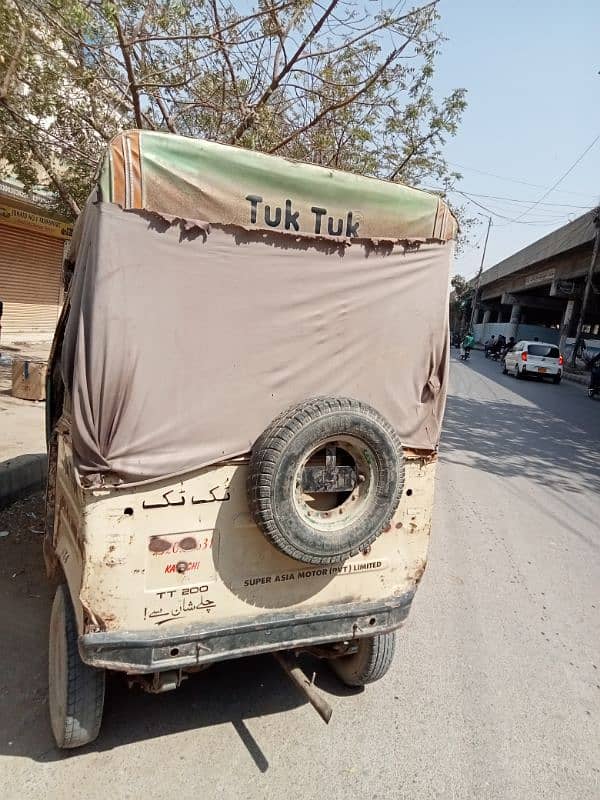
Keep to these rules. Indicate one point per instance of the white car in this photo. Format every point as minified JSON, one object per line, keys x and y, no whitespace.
{"x":534,"y":358}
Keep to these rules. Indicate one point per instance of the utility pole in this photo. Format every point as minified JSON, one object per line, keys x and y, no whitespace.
{"x":588,"y":286}
{"x":478,"y":279}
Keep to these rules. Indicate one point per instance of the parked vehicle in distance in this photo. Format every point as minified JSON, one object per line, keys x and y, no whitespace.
{"x":541,"y":359}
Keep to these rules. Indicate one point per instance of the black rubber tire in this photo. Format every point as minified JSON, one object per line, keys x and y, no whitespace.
{"x":278,"y":454}
{"x":557,"y":379}
{"x":518,"y":374}
{"x":370,"y":662}
{"x":76,"y":690}
{"x":504,"y":370}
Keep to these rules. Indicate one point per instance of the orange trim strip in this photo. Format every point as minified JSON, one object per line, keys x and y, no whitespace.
{"x":118,"y":170}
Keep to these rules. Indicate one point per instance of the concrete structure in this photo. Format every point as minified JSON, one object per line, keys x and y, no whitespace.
{"x":538,"y":291}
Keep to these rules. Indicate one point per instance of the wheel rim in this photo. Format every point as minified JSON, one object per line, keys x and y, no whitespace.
{"x":57,"y":679}
{"x":333,"y":511}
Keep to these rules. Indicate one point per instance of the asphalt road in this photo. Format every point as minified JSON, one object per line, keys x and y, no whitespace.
{"x":495,"y":691}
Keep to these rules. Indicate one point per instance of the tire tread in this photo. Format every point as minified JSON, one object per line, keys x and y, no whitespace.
{"x":85,"y":684}
{"x":370,"y":663}
{"x":270,"y":446}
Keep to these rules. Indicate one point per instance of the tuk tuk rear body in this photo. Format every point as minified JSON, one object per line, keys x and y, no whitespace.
{"x":214,"y":289}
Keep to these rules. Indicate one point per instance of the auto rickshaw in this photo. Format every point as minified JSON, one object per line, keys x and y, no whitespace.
{"x":245,"y":396}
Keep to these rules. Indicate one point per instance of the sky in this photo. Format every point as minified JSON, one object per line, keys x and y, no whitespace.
{"x":531,"y":69}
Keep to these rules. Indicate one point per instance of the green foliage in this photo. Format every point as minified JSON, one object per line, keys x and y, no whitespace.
{"x":460,"y":287}
{"x":335,"y":84}
{"x":461,"y":296}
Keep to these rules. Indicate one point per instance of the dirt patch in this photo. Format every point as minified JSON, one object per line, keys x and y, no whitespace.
{"x":21,"y":564}
{"x":25,"y":598}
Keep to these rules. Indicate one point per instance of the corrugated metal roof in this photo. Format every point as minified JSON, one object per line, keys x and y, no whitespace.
{"x":574,"y":234}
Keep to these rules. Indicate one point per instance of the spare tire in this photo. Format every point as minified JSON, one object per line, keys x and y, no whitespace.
{"x":325,"y":479}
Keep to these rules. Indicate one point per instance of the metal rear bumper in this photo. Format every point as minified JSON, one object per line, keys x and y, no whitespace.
{"x":150,"y":651}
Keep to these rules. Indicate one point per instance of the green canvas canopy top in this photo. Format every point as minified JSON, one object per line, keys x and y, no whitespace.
{"x":197,"y":180}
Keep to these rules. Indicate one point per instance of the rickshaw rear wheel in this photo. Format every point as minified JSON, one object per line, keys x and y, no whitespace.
{"x":369,"y":662}
{"x":75,"y":690}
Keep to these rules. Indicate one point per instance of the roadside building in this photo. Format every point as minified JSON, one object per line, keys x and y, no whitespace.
{"x":538,"y":290}
{"x":32,"y":247}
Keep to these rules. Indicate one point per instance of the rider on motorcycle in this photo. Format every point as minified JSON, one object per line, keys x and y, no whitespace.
{"x":489,"y":345}
{"x":508,"y":346}
{"x":466,"y":345}
{"x":498,"y":347}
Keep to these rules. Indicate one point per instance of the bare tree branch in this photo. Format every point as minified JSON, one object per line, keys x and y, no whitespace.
{"x":225,"y":53}
{"x":342,"y":103}
{"x":166,"y":115}
{"x":413,"y":152}
{"x":212,"y":35}
{"x":13,"y":64}
{"x":247,"y":123}
{"x":133,"y":89}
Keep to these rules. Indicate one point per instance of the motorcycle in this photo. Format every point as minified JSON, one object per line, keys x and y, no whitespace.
{"x":465,"y":355}
{"x":491,"y":350}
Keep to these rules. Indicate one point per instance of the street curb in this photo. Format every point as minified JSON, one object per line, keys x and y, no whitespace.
{"x":575,"y":378}
{"x":21,"y":476}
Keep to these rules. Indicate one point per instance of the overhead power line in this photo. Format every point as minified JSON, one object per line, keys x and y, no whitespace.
{"x":516,"y":200}
{"x":511,"y":180}
{"x":560,"y":180}
{"x":508,"y":219}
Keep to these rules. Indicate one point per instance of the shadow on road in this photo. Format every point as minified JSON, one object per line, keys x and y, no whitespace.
{"x":509,"y":439}
{"x":231,"y":692}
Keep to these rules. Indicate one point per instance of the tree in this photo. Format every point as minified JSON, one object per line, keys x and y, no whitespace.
{"x":460,"y":302}
{"x":324,"y":81}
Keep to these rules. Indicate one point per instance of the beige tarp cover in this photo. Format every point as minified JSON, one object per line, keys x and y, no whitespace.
{"x":181,"y":346}
{"x":179,"y":352}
